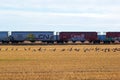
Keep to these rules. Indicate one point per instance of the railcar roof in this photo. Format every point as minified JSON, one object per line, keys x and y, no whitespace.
{"x":30,"y":31}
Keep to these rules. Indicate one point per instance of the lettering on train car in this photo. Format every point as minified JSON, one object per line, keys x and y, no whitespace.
{"x":78,"y":37}
{"x":43,"y":36}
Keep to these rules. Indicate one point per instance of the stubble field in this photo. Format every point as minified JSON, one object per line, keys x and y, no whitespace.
{"x":60,"y":62}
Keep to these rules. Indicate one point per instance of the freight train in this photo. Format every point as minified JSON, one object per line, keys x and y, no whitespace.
{"x":48,"y":37}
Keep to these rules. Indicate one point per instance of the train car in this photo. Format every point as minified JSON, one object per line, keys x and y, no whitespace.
{"x":44,"y":36}
{"x":4,"y":37}
{"x":102,"y":37}
{"x":78,"y":36}
{"x":113,"y":36}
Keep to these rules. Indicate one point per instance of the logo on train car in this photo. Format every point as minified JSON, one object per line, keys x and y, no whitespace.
{"x":31,"y":37}
{"x":78,"y":37}
{"x":45,"y":37}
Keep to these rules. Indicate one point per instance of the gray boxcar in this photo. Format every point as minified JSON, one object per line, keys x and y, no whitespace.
{"x":3,"y":36}
{"x":32,"y":35}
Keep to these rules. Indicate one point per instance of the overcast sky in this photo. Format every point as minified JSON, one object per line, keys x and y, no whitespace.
{"x":60,"y":15}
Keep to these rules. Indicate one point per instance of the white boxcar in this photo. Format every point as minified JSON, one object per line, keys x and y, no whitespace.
{"x":3,"y":36}
{"x":33,"y":35}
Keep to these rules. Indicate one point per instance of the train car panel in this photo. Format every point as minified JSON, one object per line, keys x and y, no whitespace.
{"x":78,"y":36}
{"x":4,"y":36}
{"x":37,"y":36}
{"x":102,"y":37}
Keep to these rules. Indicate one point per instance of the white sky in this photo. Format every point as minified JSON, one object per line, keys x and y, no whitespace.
{"x":60,"y":15}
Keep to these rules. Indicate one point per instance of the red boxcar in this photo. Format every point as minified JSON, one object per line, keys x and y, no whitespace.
{"x":113,"y":35}
{"x":78,"y":36}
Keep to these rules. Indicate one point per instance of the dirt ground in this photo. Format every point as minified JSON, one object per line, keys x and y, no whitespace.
{"x":60,"y":62}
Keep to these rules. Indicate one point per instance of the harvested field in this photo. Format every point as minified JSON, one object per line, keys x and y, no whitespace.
{"x":60,"y":62}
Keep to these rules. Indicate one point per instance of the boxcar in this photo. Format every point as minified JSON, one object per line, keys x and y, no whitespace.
{"x":32,"y":36}
{"x":113,"y":36}
{"x":78,"y":36}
